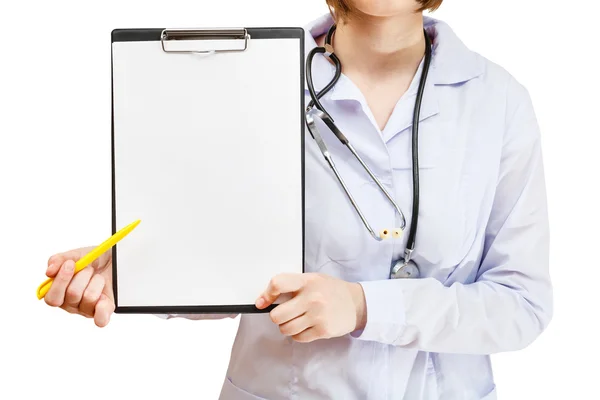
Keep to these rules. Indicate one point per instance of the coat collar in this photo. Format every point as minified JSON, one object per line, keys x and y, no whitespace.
{"x":452,"y":62}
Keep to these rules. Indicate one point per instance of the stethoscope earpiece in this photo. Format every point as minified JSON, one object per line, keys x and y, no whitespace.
{"x":387,"y":233}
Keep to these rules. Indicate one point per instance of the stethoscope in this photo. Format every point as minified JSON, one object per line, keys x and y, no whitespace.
{"x":405,"y":267}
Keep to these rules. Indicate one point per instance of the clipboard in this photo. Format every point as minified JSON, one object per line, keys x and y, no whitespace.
{"x":207,"y":151}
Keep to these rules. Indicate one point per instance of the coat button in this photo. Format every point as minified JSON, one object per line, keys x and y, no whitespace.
{"x":408,"y":271}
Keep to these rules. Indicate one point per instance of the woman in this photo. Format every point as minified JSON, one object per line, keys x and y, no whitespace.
{"x":481,"y":283}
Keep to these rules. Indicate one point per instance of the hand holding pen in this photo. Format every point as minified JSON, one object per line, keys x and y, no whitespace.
{"x":80,"y":280}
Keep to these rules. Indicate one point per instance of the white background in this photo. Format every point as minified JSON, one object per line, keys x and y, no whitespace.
{"x":55,"y":192}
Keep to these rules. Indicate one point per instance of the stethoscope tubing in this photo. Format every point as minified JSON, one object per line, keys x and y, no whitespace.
{"x":322,"y":114}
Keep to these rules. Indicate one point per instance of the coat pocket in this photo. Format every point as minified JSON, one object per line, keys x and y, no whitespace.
{"x":233,"y":392}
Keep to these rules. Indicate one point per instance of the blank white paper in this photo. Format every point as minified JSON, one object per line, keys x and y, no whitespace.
{"x":208,"y":154}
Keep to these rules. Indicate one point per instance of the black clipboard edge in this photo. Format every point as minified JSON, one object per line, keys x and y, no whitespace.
{"x":154,"y":34}
{"x":245,"y":309}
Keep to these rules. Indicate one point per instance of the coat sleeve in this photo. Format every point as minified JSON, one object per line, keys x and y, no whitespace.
{"x":510,"y":302}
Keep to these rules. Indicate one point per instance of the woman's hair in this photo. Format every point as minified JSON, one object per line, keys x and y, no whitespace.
{"x":343,"y":8}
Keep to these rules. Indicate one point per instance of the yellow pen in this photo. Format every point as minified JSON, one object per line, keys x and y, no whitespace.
{"x":90,"y":257}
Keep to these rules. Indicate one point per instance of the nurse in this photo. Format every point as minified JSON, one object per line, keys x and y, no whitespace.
{"x":483,"y":286}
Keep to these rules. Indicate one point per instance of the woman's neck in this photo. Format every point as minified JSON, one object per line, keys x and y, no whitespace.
{"x":380,"y":46}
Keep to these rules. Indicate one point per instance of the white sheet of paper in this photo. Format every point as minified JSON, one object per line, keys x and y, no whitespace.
{"x":208,"y":154}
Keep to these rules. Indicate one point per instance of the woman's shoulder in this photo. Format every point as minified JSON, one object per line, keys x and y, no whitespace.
{"x":454,"y":63}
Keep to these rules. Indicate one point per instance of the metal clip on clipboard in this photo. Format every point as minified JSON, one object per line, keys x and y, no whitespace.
{"x":168,"y":35}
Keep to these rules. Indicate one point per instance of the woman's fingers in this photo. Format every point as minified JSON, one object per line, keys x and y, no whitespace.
{"x":56,"y":294}
{"x":54,"y":264}
{"x":295,"y":326}
{"x":88,"y":292}
{"x":104,"y":309}
{"x":52,"y":269}
{"x":57,"y":260}
{"x":76,"y":288}
{"x":91,"y":295}
{"x":280,"y":284}
{"x":289,"y":310}
{"x":307,"y":335}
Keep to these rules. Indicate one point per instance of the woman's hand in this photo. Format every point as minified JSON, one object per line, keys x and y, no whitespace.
{"x":89,"y":292}
{"x":322,"y":306}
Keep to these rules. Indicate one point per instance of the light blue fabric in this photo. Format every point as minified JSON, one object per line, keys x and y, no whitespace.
{"x":482,"y":242}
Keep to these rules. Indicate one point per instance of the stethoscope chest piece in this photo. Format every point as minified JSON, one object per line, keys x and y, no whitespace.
{"x":405,"y":270}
